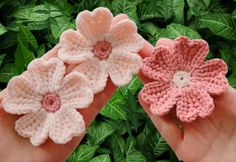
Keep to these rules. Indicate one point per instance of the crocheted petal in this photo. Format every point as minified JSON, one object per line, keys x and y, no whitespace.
{"x":194,"y":102}
{"x":67,"y":123}
{"x":21,"y":97}
{"x":47,"y":75}
{"x":211,"y":75}
{"x":94,"y":25}
{"x":75,"y":92}
{"x":124,"y":37}
{"x":121,"y":67}
{"x":190,"y":52}
{"x":160,"y":65}
{"x":74,"y":48}
{"x":34,"y":125}
{"x":160,"y":95}
{"x":96,"y":73}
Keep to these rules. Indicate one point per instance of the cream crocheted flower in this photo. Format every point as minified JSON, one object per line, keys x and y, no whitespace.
{"x":102,"y":46}
{"x":49,"y":100}
{"x":181,"y":78}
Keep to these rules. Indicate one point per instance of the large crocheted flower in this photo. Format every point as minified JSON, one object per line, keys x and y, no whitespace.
{"x":183,"y":79}
{"x":49,"y":99}
{"x":102,"y":45}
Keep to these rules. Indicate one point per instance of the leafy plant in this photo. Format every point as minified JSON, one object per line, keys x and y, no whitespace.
{"x":122,"y":132}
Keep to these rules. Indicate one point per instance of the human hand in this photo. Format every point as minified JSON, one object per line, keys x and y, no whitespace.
{"x":210,"y":139}
{"x":15,"y":148}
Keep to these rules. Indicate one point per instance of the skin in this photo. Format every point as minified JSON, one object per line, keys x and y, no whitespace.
{"x":212,"y":139}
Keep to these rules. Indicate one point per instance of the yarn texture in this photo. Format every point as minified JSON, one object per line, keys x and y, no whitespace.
{"x":102,"y":46}
{"x":182,"y":79}
{"x":48,"y":99}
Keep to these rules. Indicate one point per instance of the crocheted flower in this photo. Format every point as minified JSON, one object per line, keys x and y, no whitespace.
{"x":102,"y":46}
{"x":49,"y":99}
{"x":181,"y":78}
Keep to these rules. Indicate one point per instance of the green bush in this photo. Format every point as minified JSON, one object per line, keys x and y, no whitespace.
{"x":122,"y":132}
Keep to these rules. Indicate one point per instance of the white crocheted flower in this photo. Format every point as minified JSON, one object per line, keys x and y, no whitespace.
{"x":102,"y":46}
{"x":49,"y":99}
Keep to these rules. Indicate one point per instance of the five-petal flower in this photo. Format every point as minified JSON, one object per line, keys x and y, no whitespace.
{"x":183,"y":79}
{"x":49,"y":99}
{"x":102,"y":46}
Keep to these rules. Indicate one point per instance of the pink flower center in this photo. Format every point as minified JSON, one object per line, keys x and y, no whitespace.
{"x":51,"y":102}
{"x":102,"y":49}
{"x":181,"y":79}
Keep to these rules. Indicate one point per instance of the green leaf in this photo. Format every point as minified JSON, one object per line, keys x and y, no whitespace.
{"x":22,"y":57}
{"x":178,"y":8}
{"x":174,"y":30}
{"x":219,"y":24}
{"x":8,"y":40}
{"x":84,"y":154}
{"x":36,"y":13}
{"x":131,"y":153}
{"x":152,"y":31}
{"x":101,"y":158}
{"x":7,"y":72}
{"x":60,"y":24}
{"x":98,"y":132}
{"x":2,"y":56}
{"x":232,"y":77}
{"x":234,"y":14}
{"x":26,"y":37}
{"x":150,"y":9}
{"x":41,"y":50}
{"x":2,"y":29}
{"x":199,"y":7}
{"x":133,"y":86}
{"x":126,"y":7}
{"x":112,"y":109}
{"x":158,"y":144}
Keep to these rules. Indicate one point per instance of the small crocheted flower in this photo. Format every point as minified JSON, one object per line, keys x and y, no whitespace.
{"x":49,"y":100}
{"x":183,"y":79}
{"x":102,"y":46}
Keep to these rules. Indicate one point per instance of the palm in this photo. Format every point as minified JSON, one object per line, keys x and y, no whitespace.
{"x":211,"y":138}
{"x":13,"y":144}
{"x":207,"y":140}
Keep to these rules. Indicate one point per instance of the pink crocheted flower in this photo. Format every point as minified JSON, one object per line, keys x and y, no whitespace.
{"x":181,"y":78}
{"x":49,"y":99}
{"x":102,"y":46}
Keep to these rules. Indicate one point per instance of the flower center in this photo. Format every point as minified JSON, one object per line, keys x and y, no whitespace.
{"x":51,"y":102}
{"x":181,"y":79}
{"x":102,"y":49}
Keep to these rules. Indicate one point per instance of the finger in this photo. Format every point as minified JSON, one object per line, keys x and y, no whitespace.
{"x":165,"y":42}
{"x":100,"y":100}
{"x":166,"y":126}
{"x":147,"y":49}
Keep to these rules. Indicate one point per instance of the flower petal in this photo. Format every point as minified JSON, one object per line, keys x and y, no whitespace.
{"x":160,"y":95}
{"x":74,"y":48}
{"x":121,"y":67}
{"x":211,"y":75}
{"x":94,"y":25}
{"x":123,"y":37}
{"x":75,"y":92}
{"x":194,"y":102}
{"x":161,"y":64}
{"x":34,"y":125}
{"x":47,"y":75}
{"x":96,"y":73}
{"x":21,"y":98}
{"x":190,"y":52}
{"x":67,"y":123}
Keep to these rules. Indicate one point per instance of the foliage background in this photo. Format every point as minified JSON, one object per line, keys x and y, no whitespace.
{"x":122,"y":132}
